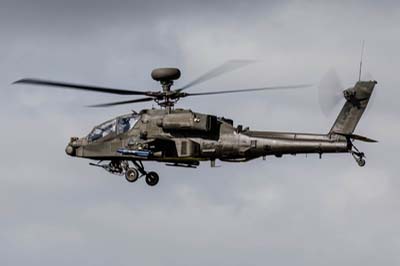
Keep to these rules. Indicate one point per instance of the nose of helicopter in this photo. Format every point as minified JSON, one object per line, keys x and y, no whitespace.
{"x":70,"y":150}
{"x":74,"y":147}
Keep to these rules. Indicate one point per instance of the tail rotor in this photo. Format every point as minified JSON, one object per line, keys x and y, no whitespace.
{"x":330,"y":92}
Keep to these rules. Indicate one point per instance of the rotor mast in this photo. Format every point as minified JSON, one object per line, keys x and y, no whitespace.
{"x":166,"y":77}
{"x":167,"y":103}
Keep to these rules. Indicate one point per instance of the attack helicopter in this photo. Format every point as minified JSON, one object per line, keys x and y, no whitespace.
{"x":184,"y":138}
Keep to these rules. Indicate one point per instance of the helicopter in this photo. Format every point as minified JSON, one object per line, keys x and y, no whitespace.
{"x":184,"y":138}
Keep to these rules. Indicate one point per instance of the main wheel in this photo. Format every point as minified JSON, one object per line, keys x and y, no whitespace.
{"x":152,"y":178}
{"x":131,"y":175}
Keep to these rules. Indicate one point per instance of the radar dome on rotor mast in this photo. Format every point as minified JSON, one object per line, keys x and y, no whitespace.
{"x":166,"y":74}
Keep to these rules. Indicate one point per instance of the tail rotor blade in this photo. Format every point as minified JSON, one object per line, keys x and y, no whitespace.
{"x":330,"y":92}
{"x":367,"y":76}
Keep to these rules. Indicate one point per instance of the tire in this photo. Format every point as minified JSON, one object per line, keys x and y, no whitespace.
{"x":361,"y":162}
{"x":131,"y":175}
{"x":152,"y":179}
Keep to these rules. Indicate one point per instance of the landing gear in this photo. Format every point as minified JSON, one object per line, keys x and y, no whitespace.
{"x":131,"y":175}
{"x":152,"y":179}
{"x":358,"y":156}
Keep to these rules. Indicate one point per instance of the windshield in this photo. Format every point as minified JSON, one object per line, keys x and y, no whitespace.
{"x":118,"y":125}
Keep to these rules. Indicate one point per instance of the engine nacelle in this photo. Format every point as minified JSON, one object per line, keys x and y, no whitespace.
{"x":188,"y":122}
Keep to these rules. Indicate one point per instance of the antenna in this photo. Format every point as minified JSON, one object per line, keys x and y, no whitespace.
{"x":361,"y":59}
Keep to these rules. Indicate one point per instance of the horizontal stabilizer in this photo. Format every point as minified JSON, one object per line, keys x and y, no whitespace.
{"x":356,"y":137}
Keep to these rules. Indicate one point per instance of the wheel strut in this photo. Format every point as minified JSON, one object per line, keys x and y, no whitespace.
{"x":140,"y":167}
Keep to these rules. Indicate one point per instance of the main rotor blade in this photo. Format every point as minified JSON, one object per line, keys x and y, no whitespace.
{"x":147,"y":99}
{"x":79,"y":86}
{"x":218,"y":71}
{"x":250,"y":90}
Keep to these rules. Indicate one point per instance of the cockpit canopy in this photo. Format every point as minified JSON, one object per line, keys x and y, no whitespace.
{"x":113,"y":127}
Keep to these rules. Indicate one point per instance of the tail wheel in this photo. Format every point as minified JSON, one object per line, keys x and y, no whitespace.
{"x":131,"y":175}
{"x":357,"y":155}
{"x":361,"y":162}
{"x":152,"y":178}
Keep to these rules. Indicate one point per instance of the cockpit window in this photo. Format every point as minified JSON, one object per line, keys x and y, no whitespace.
{"x":103,"y":130}
{"x":126,"y":122}
{"x":118,"y":125}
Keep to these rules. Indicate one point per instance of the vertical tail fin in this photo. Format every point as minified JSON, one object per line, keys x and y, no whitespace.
{"x":357,"y":99}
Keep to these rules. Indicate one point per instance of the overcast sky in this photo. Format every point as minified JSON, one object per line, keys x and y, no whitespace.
{"x":57,"y":210}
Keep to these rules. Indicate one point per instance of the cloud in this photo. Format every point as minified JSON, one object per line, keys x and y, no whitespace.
{"x":293,"y":210}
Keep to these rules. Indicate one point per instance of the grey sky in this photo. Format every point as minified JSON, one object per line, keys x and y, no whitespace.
{"x":295,"y":210}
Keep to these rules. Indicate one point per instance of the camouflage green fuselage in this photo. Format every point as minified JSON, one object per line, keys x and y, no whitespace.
{"x":188,"y":137}
{"x":183,"y":136}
